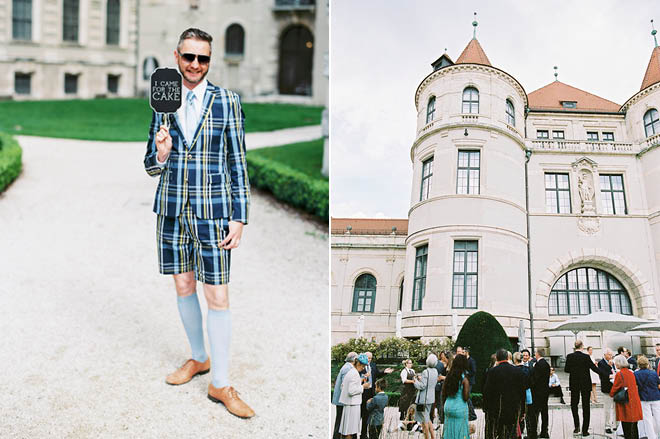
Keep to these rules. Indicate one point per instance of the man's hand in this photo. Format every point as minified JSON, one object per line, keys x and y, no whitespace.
{"x":388,"y":370}
{"x":233,"y":238}
{"x":163,"y":143}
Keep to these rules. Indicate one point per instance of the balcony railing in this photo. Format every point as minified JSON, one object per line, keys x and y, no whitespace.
{"x":294,"y":5}
{"x":581,"y":146}
{"x":652,"y":141}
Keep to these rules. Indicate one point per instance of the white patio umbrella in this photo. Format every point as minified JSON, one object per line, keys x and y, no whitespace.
{"x":563,"y":334}
{"x":601,"y":321}
{"x":454,"y":326}
{"x":398,"y":323}
{"x":649,"y":326}
{"x":360,"y":327}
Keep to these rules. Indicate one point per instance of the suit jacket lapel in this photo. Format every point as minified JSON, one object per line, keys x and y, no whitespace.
{"x":209,"y":96}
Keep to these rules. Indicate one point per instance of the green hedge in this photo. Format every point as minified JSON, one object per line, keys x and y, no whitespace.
{"x":393,"y":398}
{"x":10,"y":160}
{"x":289,"y":185}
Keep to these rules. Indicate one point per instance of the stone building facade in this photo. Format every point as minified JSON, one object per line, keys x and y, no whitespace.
{"x":263,"y":49}
{"x":56,"y":49}
{"x":549,"y":195}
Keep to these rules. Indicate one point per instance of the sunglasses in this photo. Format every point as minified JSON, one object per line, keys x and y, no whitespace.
{"x":190,"y":57}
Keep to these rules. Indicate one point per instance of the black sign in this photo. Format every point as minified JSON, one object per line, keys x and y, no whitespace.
{"x":165,"y":93}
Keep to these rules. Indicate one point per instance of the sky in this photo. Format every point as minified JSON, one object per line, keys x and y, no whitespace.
{"x":380,"y":50}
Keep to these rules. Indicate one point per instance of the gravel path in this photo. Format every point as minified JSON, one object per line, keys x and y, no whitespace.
{"x":89,"y":329}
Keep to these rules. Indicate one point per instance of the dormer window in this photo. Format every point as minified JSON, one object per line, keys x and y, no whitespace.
{"x":569,"y":104}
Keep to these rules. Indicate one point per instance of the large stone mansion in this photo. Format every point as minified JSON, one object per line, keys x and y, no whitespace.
{"x":542,"y":205}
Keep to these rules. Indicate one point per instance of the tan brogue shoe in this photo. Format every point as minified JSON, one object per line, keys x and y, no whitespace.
{"x":229,"y":397}
{"x":186,"y":372}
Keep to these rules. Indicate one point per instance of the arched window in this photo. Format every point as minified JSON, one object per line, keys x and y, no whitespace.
{"x":235,"y":40}
{"x":364,"y":294}
{"x":651,"y":122}
{"x":430,"y":109}
{"x":148,"y":66}
{"x":510,"y":113}
{"x":112,"y":23}
{"x":586,"y":290}
{"x":471,"y":100}
{"x":401,"y":296}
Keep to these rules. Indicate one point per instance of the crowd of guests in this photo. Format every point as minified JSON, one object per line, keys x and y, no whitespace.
{"x":516,"y":391}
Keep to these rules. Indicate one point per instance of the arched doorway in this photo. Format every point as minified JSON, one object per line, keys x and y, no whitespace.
{"x":296,"y":56}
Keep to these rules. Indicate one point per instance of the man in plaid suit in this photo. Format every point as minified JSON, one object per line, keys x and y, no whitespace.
{"x":202,"y":204}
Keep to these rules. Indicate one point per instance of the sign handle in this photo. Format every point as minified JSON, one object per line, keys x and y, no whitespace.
{"x":165,"y":121}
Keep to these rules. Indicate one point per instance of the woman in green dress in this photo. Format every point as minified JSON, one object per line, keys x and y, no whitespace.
{"x":455,"y":393}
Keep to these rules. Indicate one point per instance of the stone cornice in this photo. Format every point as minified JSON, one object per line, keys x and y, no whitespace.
{"x":470,"y":67}
{"x":639,"y":95}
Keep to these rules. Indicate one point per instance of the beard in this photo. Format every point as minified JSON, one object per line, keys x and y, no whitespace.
{"x":187,"y":75}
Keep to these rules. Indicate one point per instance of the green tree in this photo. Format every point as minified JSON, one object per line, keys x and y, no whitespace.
{"x":484,"y":335}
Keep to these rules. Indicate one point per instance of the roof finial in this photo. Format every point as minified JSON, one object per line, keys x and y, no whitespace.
{"x":474,"y":23}
{"x":556,"y":74}
{"x":653,"y":32}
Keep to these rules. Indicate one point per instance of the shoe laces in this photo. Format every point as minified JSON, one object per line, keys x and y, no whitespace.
{"x":233,"y":393}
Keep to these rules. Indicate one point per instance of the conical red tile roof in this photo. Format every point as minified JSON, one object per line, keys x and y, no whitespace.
{"x":653,"y":70}
{"x":473,"y":54}
{"x":551,"y":96}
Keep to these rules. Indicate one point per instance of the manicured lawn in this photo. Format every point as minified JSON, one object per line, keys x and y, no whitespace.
{"x":306,"y":157}
{"x":127,"y":119}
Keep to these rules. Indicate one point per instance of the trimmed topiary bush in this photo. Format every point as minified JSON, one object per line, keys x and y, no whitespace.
{"x":10,"y":160}
{"x":289,"y":185}
{"x":484,"y":335}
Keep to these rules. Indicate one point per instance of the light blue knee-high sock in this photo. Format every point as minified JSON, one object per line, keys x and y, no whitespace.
{"x":191,"y":316}
{"x":218,"y":325}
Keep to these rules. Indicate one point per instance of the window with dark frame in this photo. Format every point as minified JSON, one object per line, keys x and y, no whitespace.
{"x":70,"y":83}
{"x":427,"y":174}
{"x":586,"y":290}
{"x":464,"y":283}
{"x":113,"y":84}
{"x":510,"y":113}
{"x":612,"y":194}
{"x":235,"y":40}
{"x":541,"y":134}
{"x":401,"y":295}
{"x":22,"y":83}
{"x":21,"y":20}
{"x":608,"y":137}
{"x":592,"y":136}
{"x":430,"y":109}
{"x":651,"y":122}
{"x":419,"y":286}
{"x":70,"y":22}
{"x":558,"y":135}
{"x":467,"y":176}
{"x":112,"y":23}
{"x":471,"y":100}
{"x":557,"y":193}
{"x":364,"y":293}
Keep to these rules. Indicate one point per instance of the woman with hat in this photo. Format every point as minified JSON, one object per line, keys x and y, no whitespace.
{"x":351,"y":397}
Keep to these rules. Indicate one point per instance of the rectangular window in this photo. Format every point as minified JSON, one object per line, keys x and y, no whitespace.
{"x":557,"y":193}
{"x":70,"y":83}
{"x":112,"y":23}
{"x":467,"y":178}
{"x":608,"y":137}
{"x":419,"y":287}
{"x":113,"y":84}
{"x":464,"y":284}
{"x":21,"y":19}
{"x":592,"y":136}
{"x":558,"y":135}
{"x":569,"y":104}
{"x":22,"y":83}
{"x":541,"y":134}
{"x":612,"y":195}
{"x":70,"y":21}
{"x":427,"y":173}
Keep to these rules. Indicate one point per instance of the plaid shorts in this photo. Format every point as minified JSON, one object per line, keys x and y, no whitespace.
{"x":188,"y":243}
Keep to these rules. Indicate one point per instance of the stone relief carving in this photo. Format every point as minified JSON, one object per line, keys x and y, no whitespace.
{"x":586,"y":191}
{"x":588,"y":221}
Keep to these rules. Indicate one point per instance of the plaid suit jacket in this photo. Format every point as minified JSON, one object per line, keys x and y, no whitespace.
{"x":211,"y":172}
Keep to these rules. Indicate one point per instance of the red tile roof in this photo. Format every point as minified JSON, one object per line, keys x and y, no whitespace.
{"x":369,"y":226}
{"x":550,"y":97}
{"x":473,"y":54}
{"x":653,"y":70}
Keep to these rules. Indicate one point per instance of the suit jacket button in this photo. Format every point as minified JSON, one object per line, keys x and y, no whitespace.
{"x":189,"y":156}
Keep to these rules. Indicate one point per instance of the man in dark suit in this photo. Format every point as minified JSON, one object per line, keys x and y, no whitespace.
{"x":370,"y":374}
{"x":540,"y":376}
{"x":527,"y":359}
{"x":607,"y":372}
{"x":503,"y":397}
{"x":577,"y":366}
